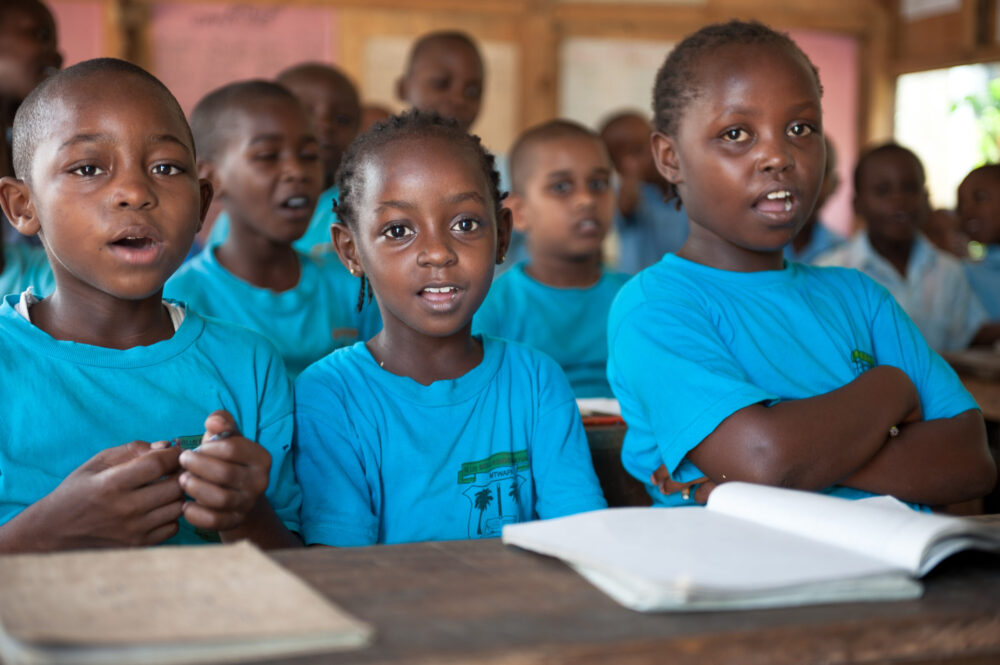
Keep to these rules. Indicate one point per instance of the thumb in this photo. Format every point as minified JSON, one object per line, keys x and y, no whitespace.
{"x":110,"y":457}
{"x":220,"y":425}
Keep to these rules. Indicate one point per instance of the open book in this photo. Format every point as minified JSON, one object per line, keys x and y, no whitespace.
{"x":754,"y":546}
{"x":214,"y":603}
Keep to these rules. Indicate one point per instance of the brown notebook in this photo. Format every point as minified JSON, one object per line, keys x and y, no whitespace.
{"x":218,"y":603}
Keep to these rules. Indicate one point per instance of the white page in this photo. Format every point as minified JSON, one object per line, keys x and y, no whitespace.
{"x":602,"y":405}
{"x":882,"y":531}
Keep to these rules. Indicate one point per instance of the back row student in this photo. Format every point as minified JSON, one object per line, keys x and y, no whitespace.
{"x":558,"y":300}
{"x":257,"y":147}
{"x":103,"y":373}
{"x":979,"y":212}
{"x":731,"y":364}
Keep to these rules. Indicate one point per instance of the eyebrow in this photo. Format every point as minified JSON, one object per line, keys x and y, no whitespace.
{"x":744,"y":110}
{"x":407,"y":205}
{"x":107,"y":138}
{"x":552,"y":175}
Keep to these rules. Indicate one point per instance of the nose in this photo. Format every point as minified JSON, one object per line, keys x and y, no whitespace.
{"x":296,"y":168}
{"x":775,"y":155}
{"x":134,"y":191}
{"x":436,"y":250}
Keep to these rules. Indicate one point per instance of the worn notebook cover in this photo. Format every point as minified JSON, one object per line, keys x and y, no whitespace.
{"x":163,"y":605}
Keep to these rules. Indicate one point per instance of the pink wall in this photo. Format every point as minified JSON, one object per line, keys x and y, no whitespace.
{"x":836,"y":57}
{"x":81,"y":27}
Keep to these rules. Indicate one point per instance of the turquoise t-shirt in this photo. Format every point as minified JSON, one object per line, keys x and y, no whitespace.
{"x":691,"y":345}
{"x":304,"y":323}
{"x":570,"y":325}
{"x":984,"y":278}
{"x":384,"y":459}
{"x":23,"y":266}
{"x":64,"y":402}
{"x":318,"y":232}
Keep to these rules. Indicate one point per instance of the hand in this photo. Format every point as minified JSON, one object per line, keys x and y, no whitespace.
{"x":122,"y":496}
{"x":667,"y":485}
{"x":225,"y":476}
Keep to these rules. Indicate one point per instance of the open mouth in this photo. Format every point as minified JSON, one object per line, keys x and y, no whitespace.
{"x":135,"y":242}
{"x":779,"y":201}
{"x":296,"y":203}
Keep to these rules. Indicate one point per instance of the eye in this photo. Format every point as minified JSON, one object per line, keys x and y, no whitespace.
{"x":310,"y":155}
{"x":561,"y":187}
{"x":598,"y":185}
{"x":265,"y":156}
{"x":466,"y":225}
{"x":396,"y":231}
{"x":88,"y":170}
{"x":801,"y":129}
{"x":167,"y":169}
{"x":473,"y":92}
{"x":735,"y":135}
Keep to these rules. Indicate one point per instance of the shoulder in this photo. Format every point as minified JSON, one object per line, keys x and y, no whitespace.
{"x":667,"y":285}
{"x":335,"y":372}
{"x":229,"y":338}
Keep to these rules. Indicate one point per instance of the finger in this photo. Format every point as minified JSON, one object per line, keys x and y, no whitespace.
{"x":148,"y":468}
{"x":236,"y":449}
{"x":159,"y":445}
{"x":161,"y":533}
{"x":158,"y":493}
{"x":227,"y":472}
{"x":220,"y":425}
{"x":162,"y":516}
{"x":216,"y":497}
{"x":110,"y":457}
{"x":205,"y":518}
{"x":703,"y":491}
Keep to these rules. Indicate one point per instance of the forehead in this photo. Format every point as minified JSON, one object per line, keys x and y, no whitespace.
{"x":268,"y":115}
{"x":894,"y":164}
{"x":25,"y":16}
{"x":574,"y":152}
{"x":984,"y":179}
{"x":317,"y":83}
{"x":423,"y":164}
{"x":447,"y":52}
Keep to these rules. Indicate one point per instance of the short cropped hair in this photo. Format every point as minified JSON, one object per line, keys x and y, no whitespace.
{"x":440,"y":36}
{"x":521,"y":162}
{"x":209,"y":118}
{"x":30,"y":121}
{"x":883,"y":149}
{"x":319,"y":69}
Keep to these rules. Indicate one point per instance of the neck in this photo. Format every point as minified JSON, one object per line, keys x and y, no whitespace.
{"x":724,"y":256}
{"x":258,"y":260}
{"x":803,"y":237}
{"x":897,"y":253}
{"x":425,"y":359}
{"x":565,"y":273}
{"x":103,"y":321}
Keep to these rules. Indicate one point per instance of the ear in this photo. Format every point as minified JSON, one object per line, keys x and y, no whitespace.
{"x":208,"y":171}
{"x":515,"y":203}
{"x":503,"y":233}
{"x":347,"y":249}
{"x":207,"y":192}
{"x":402,"y":89}
{"x":15,"y":199}
{"x":665,"y":157}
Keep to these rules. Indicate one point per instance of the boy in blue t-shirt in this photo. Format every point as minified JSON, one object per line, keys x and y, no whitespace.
{"x":125,"y":412}
{"x":979,"y":212}
{"x":558,"y":300}
{"x":257,"y":147}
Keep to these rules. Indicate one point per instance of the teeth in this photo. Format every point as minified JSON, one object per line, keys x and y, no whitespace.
{"x":297,"y":202}
{"x":439,"y":289}
{"x":783,"y":194}
{"x":788,"y":205}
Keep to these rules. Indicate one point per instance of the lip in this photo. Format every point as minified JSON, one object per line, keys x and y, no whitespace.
{"x":295,"y":214}
{"x":441,"y":301}
{"x":137,"y":244}
{"x":588,"y":227}
{"x":779,"y":211}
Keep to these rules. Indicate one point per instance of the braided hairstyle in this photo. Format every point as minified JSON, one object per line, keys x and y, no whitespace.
{"x":411,"y":124}
{"x":676,"y":81}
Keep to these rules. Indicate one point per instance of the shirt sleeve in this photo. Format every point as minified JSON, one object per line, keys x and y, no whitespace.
{"x":561,"y":464}
{"x":970,"y":314}
{"x":334,"y":470}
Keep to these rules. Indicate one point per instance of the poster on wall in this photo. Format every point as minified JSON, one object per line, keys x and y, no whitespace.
{"x":196,"y":48}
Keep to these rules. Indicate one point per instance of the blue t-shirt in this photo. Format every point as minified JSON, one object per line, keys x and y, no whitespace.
{"x":64,"y":402}
{"x":318,"y":232}
{"x":984,"y":278}
{"x":304,"y":323}
{"x":570,"y":325}
{"x":23,"y":266}
{"x":384,"y":459}
{"x":691,"y":345}
{"x":654,"y":228}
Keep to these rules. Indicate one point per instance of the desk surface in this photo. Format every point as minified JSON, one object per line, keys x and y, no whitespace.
{"x":482,"y":602}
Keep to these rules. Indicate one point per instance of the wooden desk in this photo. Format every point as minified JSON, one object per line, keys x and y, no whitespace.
{"x":620,"y":488}
{"x":482,"y":602}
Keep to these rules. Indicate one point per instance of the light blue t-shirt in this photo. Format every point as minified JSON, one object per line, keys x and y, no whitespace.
{"x":691,"y":345}
{"x":304,"y":323}
{"x":64,"y":402}
{"x":984,"y":278}
{"x":654,"y":228}
{"x":318,"y":232}
{"x":23,"y":266}
{"x":821,"y":241}
{"x":384,"y":459}
{"x":570,"y":325}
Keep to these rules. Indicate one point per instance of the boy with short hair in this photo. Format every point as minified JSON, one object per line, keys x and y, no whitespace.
{"x":444,"y":73}
{"x":103,"y":374}
{"x":558,"y":300}
{"x":648,"y":227}
{"x":259,"y":151}
{"x":891,"y":196}
{"x":332,"y":102}
{"x":979,"y":212}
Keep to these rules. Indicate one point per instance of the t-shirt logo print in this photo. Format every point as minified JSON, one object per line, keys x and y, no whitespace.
{"x":862,"y":361}
{"x":493,"y":491}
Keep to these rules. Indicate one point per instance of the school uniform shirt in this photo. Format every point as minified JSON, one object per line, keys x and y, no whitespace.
{"x":984,"y":278}
{"x":23,"y":266}
{"x":568,"y":324}
{"x":306,"y":322}
{"x":654,"y":228}
{"x":935,"y":292}
{"x":384,"y":459}
{"x":65,"y":402}
{"x":690,"y":345}
{"x":820,"y":242}
{"x":318,"y":232}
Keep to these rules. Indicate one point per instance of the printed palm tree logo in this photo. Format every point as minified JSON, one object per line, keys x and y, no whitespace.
{"x":512,"y":493}
{"x":484,"y":498}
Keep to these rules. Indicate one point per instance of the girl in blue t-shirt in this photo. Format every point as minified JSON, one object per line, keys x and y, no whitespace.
{"x":427,"y":432}
{"x":730,"y":364}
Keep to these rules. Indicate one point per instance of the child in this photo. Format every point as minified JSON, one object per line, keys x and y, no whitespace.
{"x":648,"y":227}
{"x":258,"y":150}
{"x":815,"y":239}
{"x":428,"y":432}
{"x":104,"y":366}
{"x":730,"y":364}
{"x":444,"y":73}
{"x":889,"y":194}
{"x":333,"y":104}
{"x":558,"y":300}
{"x":979,"y":211}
